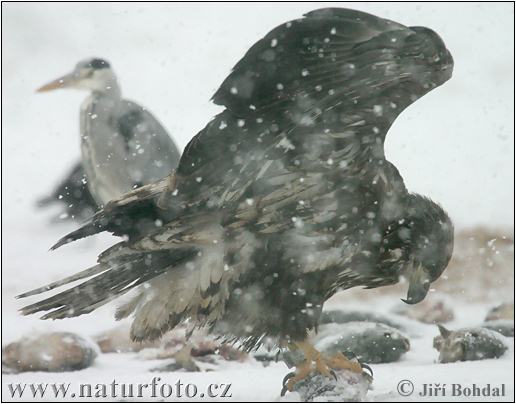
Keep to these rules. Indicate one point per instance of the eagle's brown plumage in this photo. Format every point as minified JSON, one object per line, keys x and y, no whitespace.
{"x":284,"y":197}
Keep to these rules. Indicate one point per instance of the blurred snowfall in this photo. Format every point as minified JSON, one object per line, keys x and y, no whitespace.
{"x":455,"y":145}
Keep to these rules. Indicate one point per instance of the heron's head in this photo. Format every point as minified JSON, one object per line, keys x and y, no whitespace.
{"x":91,"y":74}
{"x":425,"y":235}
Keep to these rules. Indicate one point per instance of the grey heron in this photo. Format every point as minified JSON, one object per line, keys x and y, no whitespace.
{"x":123,"y":145}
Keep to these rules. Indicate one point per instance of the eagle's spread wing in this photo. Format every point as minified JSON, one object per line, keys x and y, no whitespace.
{"x":297,"y":64}
{"x":326,"y":87}
{"x":297,"y":152}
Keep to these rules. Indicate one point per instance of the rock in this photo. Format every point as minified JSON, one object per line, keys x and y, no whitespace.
{"x":48,"y":352}
{"x":348,"y":387}
{"x":347,"y":316}
{"x":505,"y":311}
{"x":504,"y":327}
{"x":429,"y":311}
{"x":118,"y":340}
{"x":468,"y":344}
{"x":369,"y":342}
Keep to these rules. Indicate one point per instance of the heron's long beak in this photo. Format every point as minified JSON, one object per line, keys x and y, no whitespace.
{"x":419,"y":283}
{"x":62,"y":82}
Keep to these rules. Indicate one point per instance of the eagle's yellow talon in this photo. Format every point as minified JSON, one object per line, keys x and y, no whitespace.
{"x":302,"y":371}
{"x":323,"y":365}
{"x":339,"y":361}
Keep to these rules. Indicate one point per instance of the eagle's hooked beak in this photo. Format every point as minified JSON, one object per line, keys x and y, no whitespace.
{"x":419,"y":283}
{"x":67,"y":80}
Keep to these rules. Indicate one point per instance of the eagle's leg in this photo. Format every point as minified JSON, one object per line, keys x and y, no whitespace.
{"x":304,"y":368}
{"x":323,"y":365}
{"x":339,"y":361}
{"x":184,"y":358}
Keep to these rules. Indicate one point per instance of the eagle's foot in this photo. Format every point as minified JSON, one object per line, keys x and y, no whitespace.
{"x":326,"y":366}
{"x":340,"y":361}
{"x":302,"y":371}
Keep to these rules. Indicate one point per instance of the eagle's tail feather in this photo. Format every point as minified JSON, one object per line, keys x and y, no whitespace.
{"x":115,"y":281}
{"x":85,"y":297}
{"x":152,"y":317}
{"x":127,"y":308}
{"x":69,"y":279}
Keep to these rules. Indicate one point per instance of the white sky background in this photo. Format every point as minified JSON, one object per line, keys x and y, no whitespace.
{"x":455,"y":145}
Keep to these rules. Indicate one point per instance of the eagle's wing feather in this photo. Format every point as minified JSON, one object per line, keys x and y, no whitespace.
{"x":291,"y":61}
{"x":308,"y":108}
{"x":130,"y":215}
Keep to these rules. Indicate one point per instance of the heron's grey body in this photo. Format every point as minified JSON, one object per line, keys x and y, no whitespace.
{"x":124,"y":148}
{"x":122,"y":145}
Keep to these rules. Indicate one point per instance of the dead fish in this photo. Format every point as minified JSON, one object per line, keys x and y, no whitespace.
{"x":347,"y":316}
{"x":504,"y":327}
{"x":347,"y":386}
{"x":367,"y":341}
{"x":468,"y":344}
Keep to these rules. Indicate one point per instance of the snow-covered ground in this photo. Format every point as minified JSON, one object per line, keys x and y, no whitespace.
{"x":251,"y":381}
{"x":454,"y":145}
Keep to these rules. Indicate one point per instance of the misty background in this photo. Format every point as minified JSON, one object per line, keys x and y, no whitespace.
{"x":455,"y":145}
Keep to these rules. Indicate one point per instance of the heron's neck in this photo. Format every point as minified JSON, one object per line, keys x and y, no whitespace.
{"x":109,"y":88}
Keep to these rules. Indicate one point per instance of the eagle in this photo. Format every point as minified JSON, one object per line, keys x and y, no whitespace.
{"x":283,"y":199}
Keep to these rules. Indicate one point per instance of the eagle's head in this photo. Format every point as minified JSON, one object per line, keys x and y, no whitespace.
{"x":426,"y":236}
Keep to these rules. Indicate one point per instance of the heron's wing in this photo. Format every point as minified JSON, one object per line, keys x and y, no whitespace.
{"x":74,"y":194}
{"x":151,"y":151}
